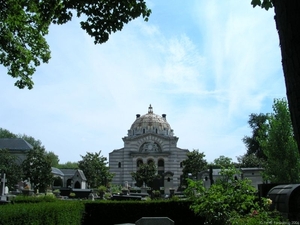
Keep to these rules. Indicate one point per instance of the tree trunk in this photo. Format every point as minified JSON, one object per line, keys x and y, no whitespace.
{"x":287,"y":18}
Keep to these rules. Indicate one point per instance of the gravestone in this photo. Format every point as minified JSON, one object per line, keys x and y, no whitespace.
{"x":154,"y":221}
{"x":2,"y":188}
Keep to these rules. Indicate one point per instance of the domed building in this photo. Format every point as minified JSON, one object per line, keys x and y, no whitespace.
{"x":150,"y":139}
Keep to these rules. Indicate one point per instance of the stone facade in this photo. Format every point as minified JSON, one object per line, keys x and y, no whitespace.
{"x":150,"y":139}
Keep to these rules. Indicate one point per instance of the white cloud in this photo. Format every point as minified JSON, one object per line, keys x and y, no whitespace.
{"x":207,"y":67}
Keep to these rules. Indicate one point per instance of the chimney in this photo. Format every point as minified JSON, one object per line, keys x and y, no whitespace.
{"x":164,"y":116}
{"x":138,"y":115}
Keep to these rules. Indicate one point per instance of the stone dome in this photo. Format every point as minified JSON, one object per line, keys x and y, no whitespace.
{"x":150,"y":123}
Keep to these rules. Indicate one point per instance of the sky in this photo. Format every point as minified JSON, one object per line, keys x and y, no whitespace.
{"x":206,"y":64}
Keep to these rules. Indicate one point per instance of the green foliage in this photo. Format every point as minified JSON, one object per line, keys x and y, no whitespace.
{"x":145,"y":174}
{"x":6,"y":134}
{"x":46,"y":213}
{"x":222,"y":161}
{"x":68,"y":165}
{"x":131,"y":211}
{"x":95,"y":169}
{"x":34,"y":199}
{"x":280,"y":146}
{"x":257,"y":123}
{"x":24,"y":26}
{"x":225,"y":200}
{"x":251,"y":160}
{"x":37,"y":167}
{"x":102,"y":189}
{"x":8,"y":165}
{"x":265,"y":4}
{"x":53,"y":159}
{"x":194,"y":163}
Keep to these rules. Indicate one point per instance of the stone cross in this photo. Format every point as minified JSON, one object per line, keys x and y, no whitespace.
{"x":3,"y":180}
{"x":2,"y":187}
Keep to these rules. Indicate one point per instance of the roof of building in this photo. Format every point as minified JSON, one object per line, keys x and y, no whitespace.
{"x":150,"y":121}
{"x":57,"y":171}
{"x":81,"y":174}
{"x":69,"y":172}
{"x":14,"y":144}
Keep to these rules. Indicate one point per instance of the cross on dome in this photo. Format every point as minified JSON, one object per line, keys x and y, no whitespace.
{"x":150,"y":109}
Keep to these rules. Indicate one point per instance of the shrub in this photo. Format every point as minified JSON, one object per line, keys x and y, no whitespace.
{"x":46,"y":213}
{"x":228,"y":201}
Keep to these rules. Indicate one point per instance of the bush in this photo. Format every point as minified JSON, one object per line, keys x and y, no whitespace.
{"x":229,"y":201}
{"x":46,"y":213}
{"x":34,"y":199}
{"x":131,"y":211}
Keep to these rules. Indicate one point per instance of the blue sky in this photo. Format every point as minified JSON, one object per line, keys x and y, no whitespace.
{"x":206,"y":64}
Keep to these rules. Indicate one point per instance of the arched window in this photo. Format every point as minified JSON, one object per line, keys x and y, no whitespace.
{"x":119,"y":165}
{"x":150,"y":161}
{"x":139,"y":162}
{"x":161,"y":163}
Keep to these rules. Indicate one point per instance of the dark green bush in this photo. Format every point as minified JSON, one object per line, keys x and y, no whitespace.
{"x":34,"y":199}
{"x":117,"y":212}
{"x":43,"y":213}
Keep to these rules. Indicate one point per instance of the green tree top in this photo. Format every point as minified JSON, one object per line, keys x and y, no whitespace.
{"x":257,"y":123}
{"x":37,"y":167}
{"x":194,"y":163}
{"x":280,"y":147}
{"x":24,"y":25}
{"x":94,"y":166}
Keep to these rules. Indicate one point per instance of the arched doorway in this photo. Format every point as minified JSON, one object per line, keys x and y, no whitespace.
{"x":77,"y":185}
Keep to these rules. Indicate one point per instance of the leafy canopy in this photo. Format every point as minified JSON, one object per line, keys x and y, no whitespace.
{"x":265,"y":4}
{"x":94,"y":167}
{"x":24,"y":25}
{"x":145,"y":174}
{"x":9,"y":166}
{"x":228,"y":201}
{"x":37,"y":167}
{"x":280,"y":146}
{"x":194,"y":163}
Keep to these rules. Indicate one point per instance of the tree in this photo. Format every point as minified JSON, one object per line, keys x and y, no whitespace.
{"x":25,"y":24}
{"x":228,"y":201}
{"x":222,"y":162}
{"x":257,"y":124}
{"x":9,"y":165}
{"x":37,"y":167}
{"x":286,"y":18}
{"x":280,"y":147}
{"x":251,"y":160}
{"x":194,"y":164}
{"x":53,"y":159}
{"x":68,"y":165}
{"x":94,"y":167}
{"x":145,"y":174}
{"x":6,"y":134}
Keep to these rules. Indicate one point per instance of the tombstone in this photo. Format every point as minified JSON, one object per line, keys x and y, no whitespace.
{"x":91,"y":196}
{"x":154,"y":221}
{"x":2,"y":188}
